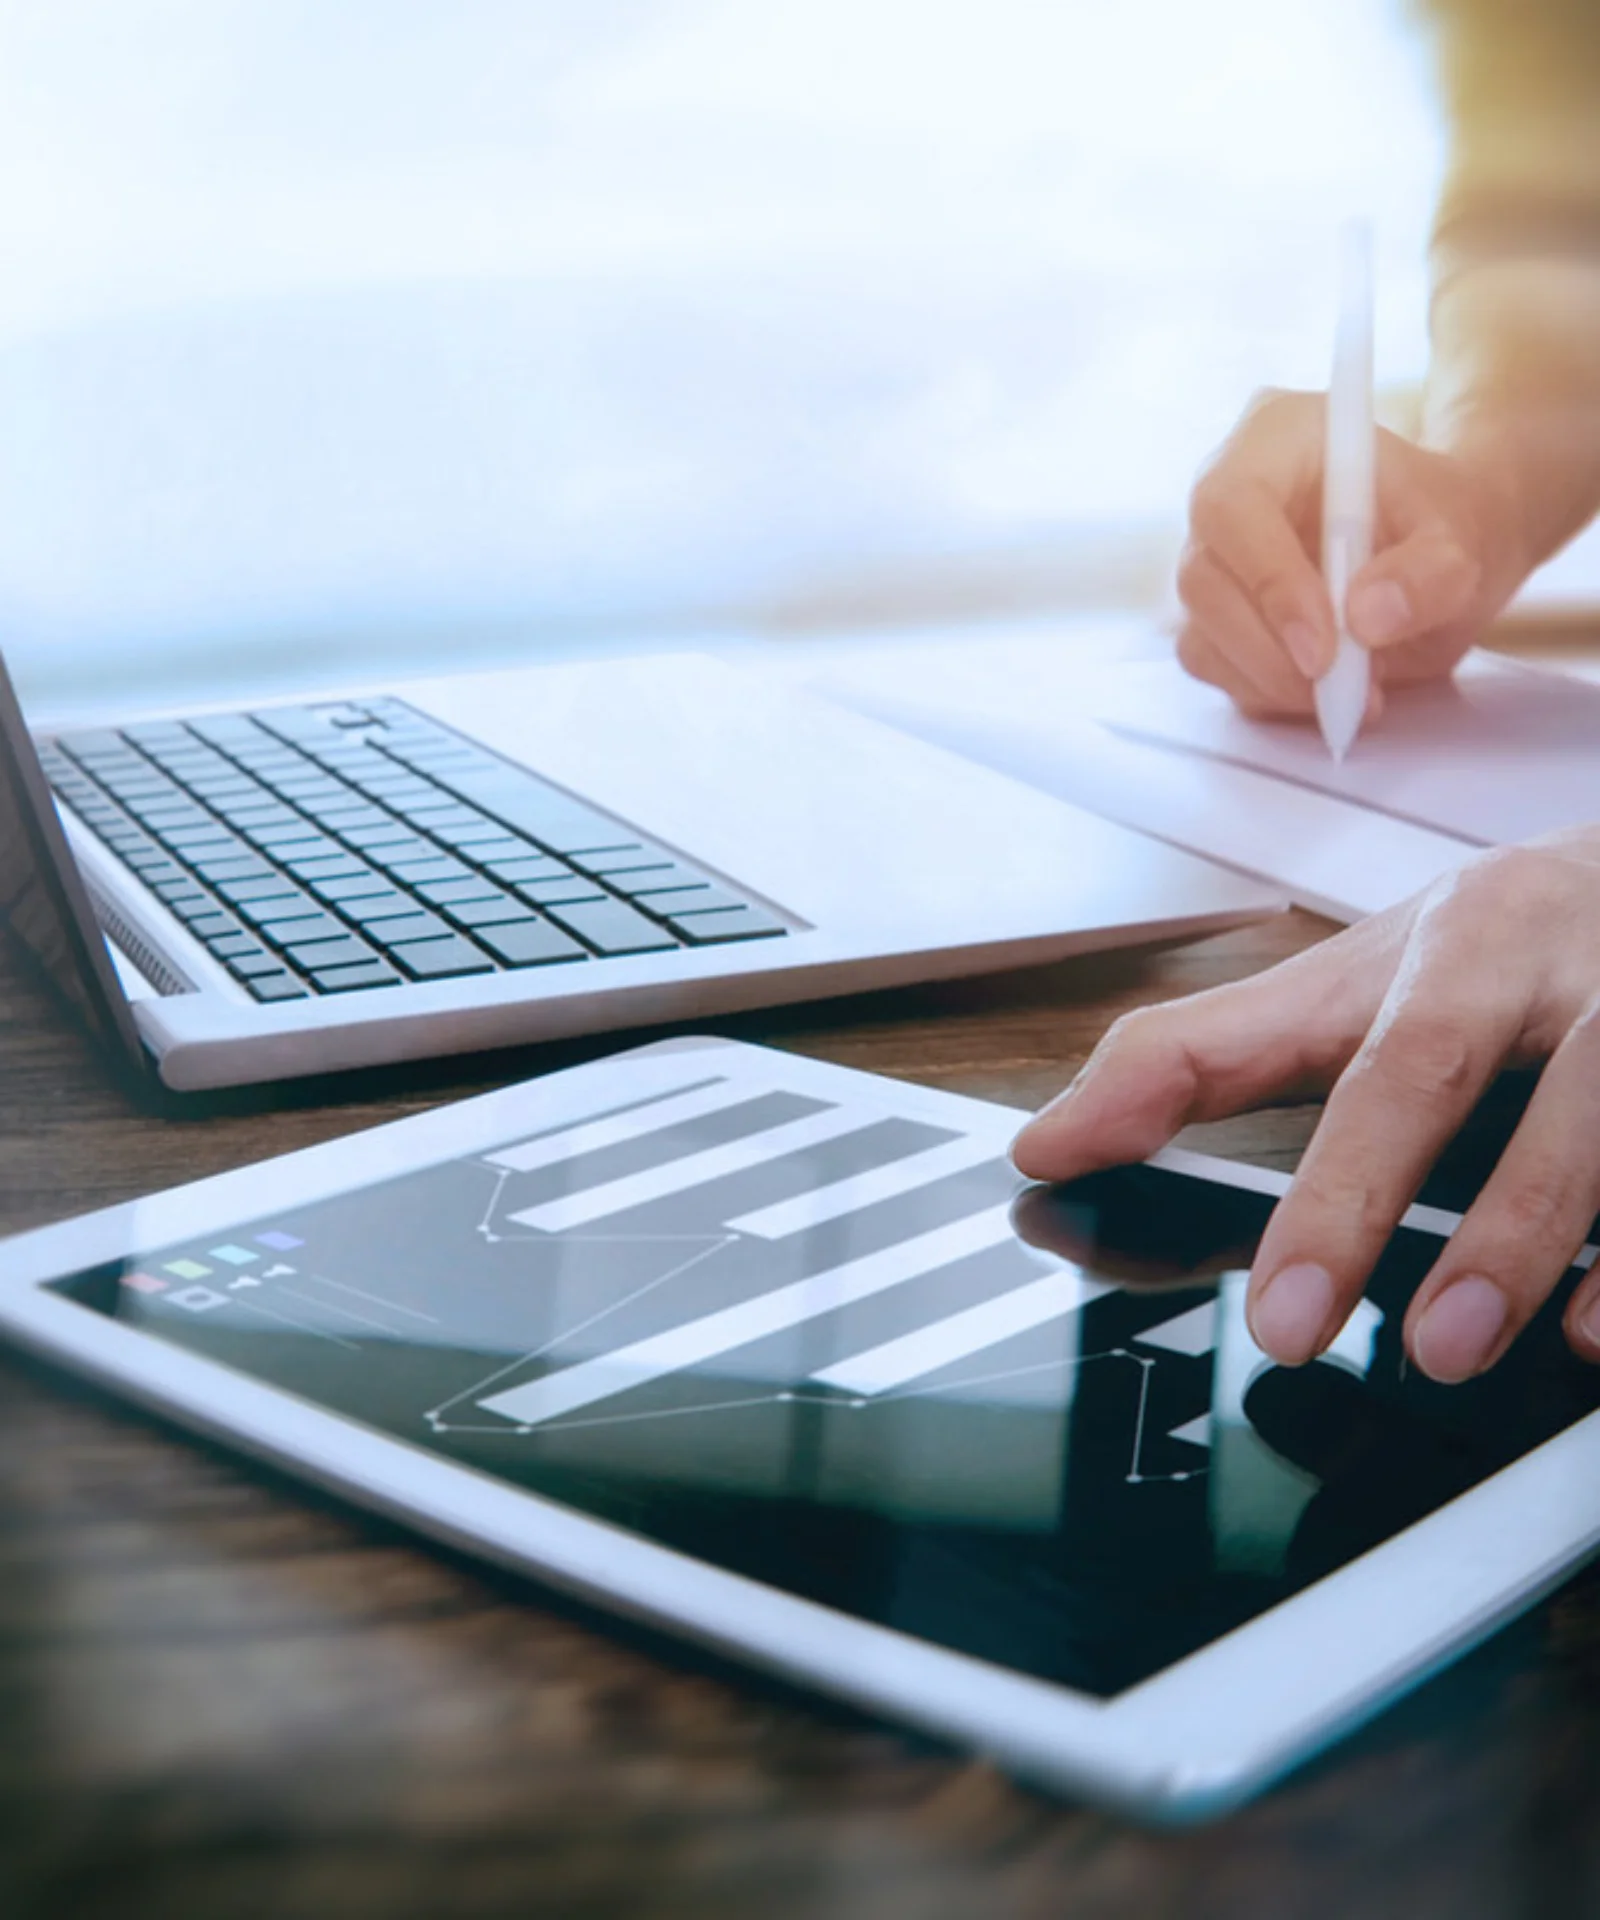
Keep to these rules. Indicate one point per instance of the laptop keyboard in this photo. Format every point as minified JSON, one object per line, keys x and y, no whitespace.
{"x":337,"y":848}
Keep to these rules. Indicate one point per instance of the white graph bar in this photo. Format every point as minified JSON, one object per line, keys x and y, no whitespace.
{"x":821,"y":1204}
{"x":698,"y":1341}
{"x":881,"y":1369}
{"x":692,"y":1170}
{"x":1194,"y":1332}
{"x":571,"y":1143}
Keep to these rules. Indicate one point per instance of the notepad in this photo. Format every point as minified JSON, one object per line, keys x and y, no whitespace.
{"x":1021,"y":700}
{"x":1499,"y":754}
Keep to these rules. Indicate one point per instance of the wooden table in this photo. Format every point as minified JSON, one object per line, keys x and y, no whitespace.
{"x":227,"y":1697}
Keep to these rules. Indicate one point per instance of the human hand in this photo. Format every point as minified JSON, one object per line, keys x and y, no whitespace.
{"x":1406,"y":1017}
{"x":1258,"y":621}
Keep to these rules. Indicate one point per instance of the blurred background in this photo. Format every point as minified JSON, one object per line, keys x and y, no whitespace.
{"x":399,"y":332}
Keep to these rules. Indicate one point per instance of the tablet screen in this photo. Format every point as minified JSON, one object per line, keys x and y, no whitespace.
{"x":1032,"y":1429}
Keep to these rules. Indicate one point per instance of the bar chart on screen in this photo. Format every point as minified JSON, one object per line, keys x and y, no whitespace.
{"x":735,"y":1264}
{"x":725,"y":1271}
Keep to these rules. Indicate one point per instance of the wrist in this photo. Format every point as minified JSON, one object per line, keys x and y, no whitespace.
{"x":1513,"y":400}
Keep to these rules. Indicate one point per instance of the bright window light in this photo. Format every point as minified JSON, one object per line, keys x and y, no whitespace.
{"x":323,"y":322}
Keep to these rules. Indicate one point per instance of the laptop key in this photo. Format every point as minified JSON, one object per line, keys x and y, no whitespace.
{"x":488,"y":913}
{"x":662,"y":879}
{"x":90,"y":740}
{"x":338,"y":816}
{"x":154,"y":869}
{"x":732,"y":923}
{"x":374,"y":908}
{"x":313,"y":956}
{"x":365,"y":885}
{"x":278,"y":985}
{"x":373,"y":840}
{"x":198,"y":840}
{"x":471,"y":839}
{"x":530,"y":806}
{"x":610,"y":927}
{"x":632,"y":858}
{"x":528,"y":866}
{"x":147,"y":860}
{"x":190,"y":907}
{"x":439,"y":810}
{"x":370,"y":973}
{"x":688,"y":900}
{"x":560,"y":888}
{"x":338,"y":866}
{"x":414,"y":872}
{"x":251,"y":812}
{"x":292,"y":929}
{"x":238,"y":946}
{"x":530,"y":943}
{"x":393,"y":855}
{"x":442,"y":959}
{"x":445,"y":892}
{"x":254,"y":965}
{"x":160,"y":819}
{"x":270,"y":886}
{"x":302,"y":847}
{"x":400,"y":929}
{"x":208,"y":926}
{"x":246,"y":867}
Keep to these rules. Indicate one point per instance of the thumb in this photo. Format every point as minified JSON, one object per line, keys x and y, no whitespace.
{"x":1421,"y":583}
{"x":1287,"y":1031}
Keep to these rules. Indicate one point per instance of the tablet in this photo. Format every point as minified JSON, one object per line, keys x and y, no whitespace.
{"x":786,"y":1358}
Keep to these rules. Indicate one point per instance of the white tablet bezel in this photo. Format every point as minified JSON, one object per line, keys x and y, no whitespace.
{"x":1193,"y":1739}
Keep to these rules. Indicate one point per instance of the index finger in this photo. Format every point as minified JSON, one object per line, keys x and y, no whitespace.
{"x":1288,"y":1030}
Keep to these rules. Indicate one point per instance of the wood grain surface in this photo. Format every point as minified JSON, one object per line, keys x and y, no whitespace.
{"x":225,"y":1696}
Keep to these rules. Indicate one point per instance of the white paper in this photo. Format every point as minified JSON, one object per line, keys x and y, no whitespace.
{"x":1501,"y":753}
{"x":1021,"y":702}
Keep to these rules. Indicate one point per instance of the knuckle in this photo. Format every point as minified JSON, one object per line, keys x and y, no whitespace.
{"x":1322,"y":1191}
{"x":1442,"y":573}
{"x":1536,"y":1207}
{"x":1144,"y":1034}
{"x":1422,"y":1054}
{"x":1131,"y":1032}
{"x":1504,"y":884}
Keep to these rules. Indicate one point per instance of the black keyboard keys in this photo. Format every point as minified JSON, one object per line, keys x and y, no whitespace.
{"x":442,"y":959}
{"x":731,"y":923}
{"x":609,"y":928}
{"x":530,"y":943}
{"x":338,"y":847}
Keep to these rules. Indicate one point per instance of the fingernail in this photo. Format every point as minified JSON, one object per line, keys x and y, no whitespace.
{"x":1290,"y":1313}
{"x":1379,"y":612}
{"x":1304,"y":648}
{"x":1460,"y":1330}
{"x":1589,"y":1323}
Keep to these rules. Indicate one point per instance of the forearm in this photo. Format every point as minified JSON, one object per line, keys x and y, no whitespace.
{"x":1515,"y":382}
{"x":1514,"y":389}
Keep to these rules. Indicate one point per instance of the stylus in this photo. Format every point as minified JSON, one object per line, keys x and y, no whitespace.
{"x":1347,"y":489}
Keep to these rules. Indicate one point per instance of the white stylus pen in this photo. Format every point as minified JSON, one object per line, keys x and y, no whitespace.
{"x":1347,"y":488}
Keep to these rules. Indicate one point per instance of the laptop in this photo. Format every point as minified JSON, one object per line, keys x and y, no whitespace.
{"x":496,"y":858}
